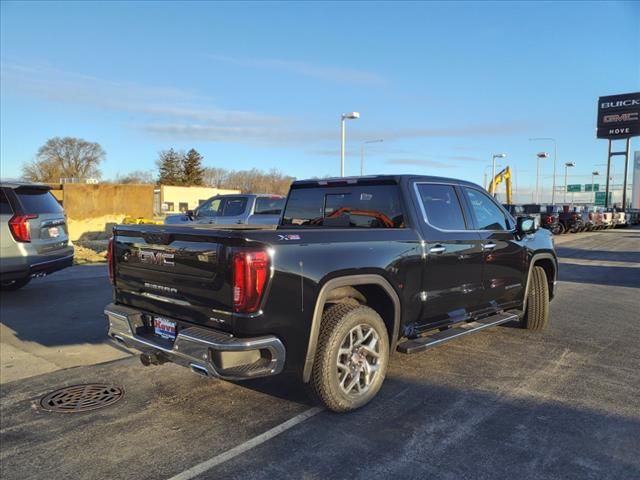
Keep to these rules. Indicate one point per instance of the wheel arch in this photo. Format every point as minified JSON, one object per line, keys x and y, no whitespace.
{"x":549,"y":263}
{"x":354,"y":286}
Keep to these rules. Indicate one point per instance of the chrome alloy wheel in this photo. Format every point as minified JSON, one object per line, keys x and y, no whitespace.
{"x":358,"y":360}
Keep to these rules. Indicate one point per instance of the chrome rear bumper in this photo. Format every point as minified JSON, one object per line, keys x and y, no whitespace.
{"x":205,"y":351}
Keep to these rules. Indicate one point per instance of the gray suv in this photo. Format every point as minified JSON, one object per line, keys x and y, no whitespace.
{"x":33,"y":234}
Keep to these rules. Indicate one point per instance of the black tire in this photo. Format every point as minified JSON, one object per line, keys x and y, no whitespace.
{"x":338,"y":321}
{"x":558,"y":229}
{"x":537,"y":314}
{"x":12,"y":285}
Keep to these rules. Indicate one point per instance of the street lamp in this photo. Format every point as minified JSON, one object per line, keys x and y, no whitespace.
{"x":566,"y":171}
{"x":594,"y":174}
{"x":555,"y":158}
{"x":362,"y":153}
{"x":541,"y":156}
{"x":345,"y":116}
{"x":493,"y":162}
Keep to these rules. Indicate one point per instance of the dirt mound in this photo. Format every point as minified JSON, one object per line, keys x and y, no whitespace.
{"x":90,"y":251}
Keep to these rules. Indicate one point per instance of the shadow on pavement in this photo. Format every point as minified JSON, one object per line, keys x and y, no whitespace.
{"x":612,"y":276}
{"x":599,"y":255}
{"x":413,"y":429}
{"x":420,"y":430}
{"x":57,"y":313}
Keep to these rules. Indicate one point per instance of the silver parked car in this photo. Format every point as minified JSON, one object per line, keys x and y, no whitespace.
{"x":234,"y":209}
{"x":33,"y":234}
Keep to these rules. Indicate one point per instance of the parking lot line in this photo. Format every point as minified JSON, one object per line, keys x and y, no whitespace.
{"x":248,"y":445}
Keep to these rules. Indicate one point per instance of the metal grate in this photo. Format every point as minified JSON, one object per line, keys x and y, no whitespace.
{"x":81,"y":398}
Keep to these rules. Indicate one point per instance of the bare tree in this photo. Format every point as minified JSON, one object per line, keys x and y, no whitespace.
{"x":137,"y":176}
{"x":215,"y":177}
{"x":257,"y":181}
{"x":66,"y":157}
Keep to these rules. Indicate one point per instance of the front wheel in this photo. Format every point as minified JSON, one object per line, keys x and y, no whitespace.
{"x":537,"y":314}
{"x":352,"y":357}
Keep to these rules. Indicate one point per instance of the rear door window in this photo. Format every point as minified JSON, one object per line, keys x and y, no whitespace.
{"x":38,"y":200}
{"x":361,"y":206}
{"x":441,"y":206}
{"x":234,"y":207}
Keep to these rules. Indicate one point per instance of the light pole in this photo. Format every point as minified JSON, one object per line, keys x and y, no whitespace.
{"x":493,"y":162}
{"x":362,"y":153}
{"x":566,"y":172}
{"x":345,"y":116}
{"x":555,"y":158}
{"x":594,"y":174}
{"x":541,"y":156}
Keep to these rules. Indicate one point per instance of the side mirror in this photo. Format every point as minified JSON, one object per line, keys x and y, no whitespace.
{"x":191,"y":214}
{"x":526,"y":225}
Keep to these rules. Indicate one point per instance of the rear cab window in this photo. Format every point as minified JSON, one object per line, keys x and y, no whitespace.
{"x":37,"y":200}
{"x":269,"y":205}
{"x":344,"y":206}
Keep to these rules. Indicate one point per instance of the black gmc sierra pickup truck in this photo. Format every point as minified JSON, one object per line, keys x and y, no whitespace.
{"x":357,"y":268}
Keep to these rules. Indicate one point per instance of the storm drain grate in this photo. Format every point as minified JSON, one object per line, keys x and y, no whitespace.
{"x":81,"y":398}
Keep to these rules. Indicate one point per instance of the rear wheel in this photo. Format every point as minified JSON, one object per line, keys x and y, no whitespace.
{"x":352,"y":357}
{"x":537,"y":313}
{"x":12,"y":285}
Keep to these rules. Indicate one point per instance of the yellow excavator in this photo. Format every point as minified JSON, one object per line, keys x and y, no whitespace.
{"x":503,"y":175}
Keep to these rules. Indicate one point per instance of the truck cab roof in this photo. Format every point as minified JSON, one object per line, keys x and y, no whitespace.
{"x":372,"y":179}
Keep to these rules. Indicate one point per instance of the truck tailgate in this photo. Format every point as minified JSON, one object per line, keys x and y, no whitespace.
{"x":179,"y":271}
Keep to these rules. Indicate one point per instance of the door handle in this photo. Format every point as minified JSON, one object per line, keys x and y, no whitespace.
{"x":488,"y":246}
{"x":437,"y":249}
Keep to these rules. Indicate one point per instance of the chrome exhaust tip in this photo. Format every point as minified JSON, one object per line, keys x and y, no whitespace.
{"x":199,"y":370}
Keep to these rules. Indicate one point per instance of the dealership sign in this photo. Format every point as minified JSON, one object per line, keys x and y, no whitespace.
{"x":619,"y":116}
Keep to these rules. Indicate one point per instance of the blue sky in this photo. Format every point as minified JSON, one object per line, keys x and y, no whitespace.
{"x":263,"y":85}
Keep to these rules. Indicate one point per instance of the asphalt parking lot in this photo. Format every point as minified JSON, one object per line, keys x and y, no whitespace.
{"x":505,"y":403}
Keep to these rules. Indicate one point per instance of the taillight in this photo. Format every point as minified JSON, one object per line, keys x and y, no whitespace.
{"x":250,"y":274}
{"x":574,"y":216}
{"x":110,"y":261}
{"x":549,"y":220}
{"x":19,"y":226}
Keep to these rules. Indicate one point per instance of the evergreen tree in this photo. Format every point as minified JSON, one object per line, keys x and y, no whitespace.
{"x":170,"y":167}
{"x":192,"y":169}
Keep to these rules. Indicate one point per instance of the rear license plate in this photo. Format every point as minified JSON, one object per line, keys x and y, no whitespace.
{"x":165,"y":328}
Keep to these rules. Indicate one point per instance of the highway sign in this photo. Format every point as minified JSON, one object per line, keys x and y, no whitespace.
{"x":600,"y":198}
{"x":587,"y":187}
{"x":574,"y":188}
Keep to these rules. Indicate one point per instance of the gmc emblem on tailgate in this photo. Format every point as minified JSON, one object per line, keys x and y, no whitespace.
{"x":156,"y":258}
